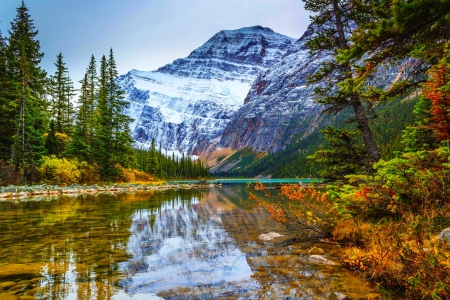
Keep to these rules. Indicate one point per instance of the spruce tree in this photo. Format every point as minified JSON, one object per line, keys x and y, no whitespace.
{"x":102,"y":145}
{"x":7,"y":105}
{"x":113,"y":144}
{"x":61,"y":108}
{"x":91,"y":99}
{"x":121,"y":140}
{"x":80,"y":145}
{"x":152,"y":163}
{"x":51,"y":144}
{"x":26,"y":93}
{"x":333,"y":21}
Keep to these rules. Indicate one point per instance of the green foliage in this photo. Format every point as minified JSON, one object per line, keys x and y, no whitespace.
{"x":61,"y":90}
{"x":51,"y":142}
{"x":25,"y":105}
{"x":344,"y":154}
{"x":171,"y":167}
{"x":420,"y":136}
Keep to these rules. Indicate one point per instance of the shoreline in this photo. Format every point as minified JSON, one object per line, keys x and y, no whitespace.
{"x":24,"y":192}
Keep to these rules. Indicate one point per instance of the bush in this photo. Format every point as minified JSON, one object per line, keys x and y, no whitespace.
{"x":59,"y":171}
{"x":132,"y":175}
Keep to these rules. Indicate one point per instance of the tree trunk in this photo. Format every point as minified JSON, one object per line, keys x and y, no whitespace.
{"x":355,"y":101}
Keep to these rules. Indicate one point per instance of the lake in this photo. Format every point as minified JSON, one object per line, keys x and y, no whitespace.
{"x":173,"y":244}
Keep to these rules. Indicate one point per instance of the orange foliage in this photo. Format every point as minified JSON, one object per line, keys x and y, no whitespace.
{"x":307,"y":209}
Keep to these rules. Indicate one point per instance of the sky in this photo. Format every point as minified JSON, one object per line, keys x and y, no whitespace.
{"x":144,"y":34}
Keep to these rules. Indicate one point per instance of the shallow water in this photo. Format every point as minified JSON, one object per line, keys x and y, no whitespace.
{"x":176,"y":244}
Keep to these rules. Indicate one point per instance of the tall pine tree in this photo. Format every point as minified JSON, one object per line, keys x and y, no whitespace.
{"x":333,"y":21}
{"x":26,"y":93}
{"x":81,"y":138}
{"x":113,"y":144}
{"x":7,"y":105}
{"x":61,"y":108}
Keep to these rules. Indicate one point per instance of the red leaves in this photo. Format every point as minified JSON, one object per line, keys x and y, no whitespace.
{"x":437,"y":91}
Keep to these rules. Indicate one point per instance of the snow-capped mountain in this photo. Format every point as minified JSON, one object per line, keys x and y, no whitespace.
{"x":187,"y":104}
{"x":279,"y":105}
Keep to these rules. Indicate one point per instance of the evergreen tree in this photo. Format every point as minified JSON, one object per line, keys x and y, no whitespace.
{"x":394,"y":31}
{"x":121,"y":139}
{"x":334,"y":21}
{"x":80,"y":145}
{"x":26,"y":93}
{"x":7,"y":105}
{"x":344,"y":154}
{"x":61,"y":108}
{"x":152,"y":163}
{"x":420,"y":136}
{"x":102,"y":146}
{"x":113,"y":144}
{"x":91,"y":99}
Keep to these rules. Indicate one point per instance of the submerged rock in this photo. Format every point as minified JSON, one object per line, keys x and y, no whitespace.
{"x":316,"y":250}
{"x":445,"y":235}
{"x":269,"y":236}
{"x":319,"y":259}
{"x":341,"y":296}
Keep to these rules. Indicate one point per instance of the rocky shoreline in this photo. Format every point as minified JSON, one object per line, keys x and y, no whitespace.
{"x":21,"y":192}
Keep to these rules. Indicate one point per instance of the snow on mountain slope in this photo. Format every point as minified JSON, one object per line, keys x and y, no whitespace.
{"x":279,"y":105}
{"x":186,"y":105}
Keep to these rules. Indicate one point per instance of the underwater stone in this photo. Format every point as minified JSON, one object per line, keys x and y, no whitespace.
{"x":445,"y":235}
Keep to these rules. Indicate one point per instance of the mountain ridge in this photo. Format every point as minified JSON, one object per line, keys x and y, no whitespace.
{"x":186,"y":104}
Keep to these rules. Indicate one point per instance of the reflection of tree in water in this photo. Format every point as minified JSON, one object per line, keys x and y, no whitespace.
{"x":74,"y":243}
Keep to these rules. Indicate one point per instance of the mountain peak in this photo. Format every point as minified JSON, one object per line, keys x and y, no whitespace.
{"x":252,"y":47}
{"x":251,"y":29}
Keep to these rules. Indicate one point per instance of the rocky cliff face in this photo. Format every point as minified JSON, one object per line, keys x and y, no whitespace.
{"x":279,"y":106}
{"x":186,"y":105}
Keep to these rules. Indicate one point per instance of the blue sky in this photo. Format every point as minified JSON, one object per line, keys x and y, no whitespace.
{"x":144,"y":34}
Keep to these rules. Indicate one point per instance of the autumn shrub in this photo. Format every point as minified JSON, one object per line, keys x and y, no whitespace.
{"x":307,"y":209}
{"x":132,"y":175}
{"x":407,"y":203}
{"x":352,"y":231}
{"x":59,"y":171}
{"x":402,"y":255}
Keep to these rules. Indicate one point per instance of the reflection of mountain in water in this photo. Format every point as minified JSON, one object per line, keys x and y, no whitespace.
{"x":182,"y":245}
